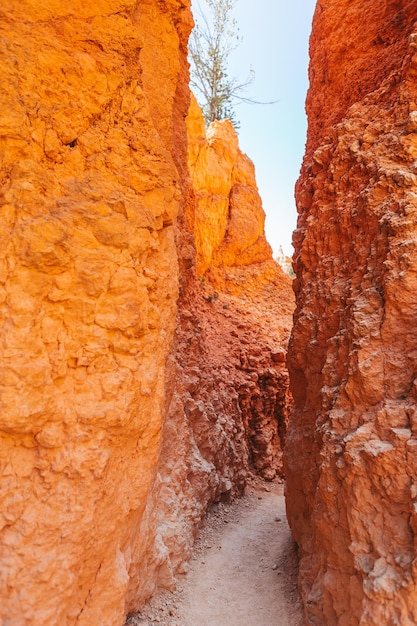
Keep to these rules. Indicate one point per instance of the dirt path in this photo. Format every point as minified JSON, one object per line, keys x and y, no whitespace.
{"x":243,"y":571}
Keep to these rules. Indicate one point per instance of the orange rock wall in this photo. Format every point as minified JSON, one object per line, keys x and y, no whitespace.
{"x":226,"y":384}
{"x":231,"y":249}
{"x":133,"y":394}
{"x":88,"y":289}
{"x":236,"y":273}
{"x":350,"y":456}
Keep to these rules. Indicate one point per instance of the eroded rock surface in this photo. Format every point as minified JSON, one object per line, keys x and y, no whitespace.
{"x":350,"y":455}
{"x":237,"y":275}
{"x":126,"y":381}
{"x":89,"y":282}
{"x":231,"y":249}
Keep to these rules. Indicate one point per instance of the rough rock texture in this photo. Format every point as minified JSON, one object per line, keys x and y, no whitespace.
{"x":89,"y":282}
{"x":231,"y":250}
{"x":351,"y":446}
{"x":236,"y":273}
{"x":127,"y":384}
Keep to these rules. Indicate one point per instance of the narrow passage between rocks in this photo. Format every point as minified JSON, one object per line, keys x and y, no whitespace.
{"x":243,"y":571}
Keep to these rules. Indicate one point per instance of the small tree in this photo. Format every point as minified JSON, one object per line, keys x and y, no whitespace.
{"x":211,"y":43}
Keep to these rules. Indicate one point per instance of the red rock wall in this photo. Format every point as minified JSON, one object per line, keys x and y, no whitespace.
{"x":236,"y":273}
{"x":350,"y":456}
{"x":229,"y":220}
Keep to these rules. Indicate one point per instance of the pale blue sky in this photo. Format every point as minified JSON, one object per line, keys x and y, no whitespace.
{"x":275,"y":43}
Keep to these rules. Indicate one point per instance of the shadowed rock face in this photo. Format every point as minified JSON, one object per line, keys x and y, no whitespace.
{"x":127,"y":387}
{"x":237,"y":274}
{"x":350,"y":456}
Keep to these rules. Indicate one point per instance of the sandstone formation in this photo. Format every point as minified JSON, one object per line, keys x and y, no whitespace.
{"x":350,"y":455}
{"x":127,"y":385}
{"x":89,"y":282}
{"x":235,"y":269}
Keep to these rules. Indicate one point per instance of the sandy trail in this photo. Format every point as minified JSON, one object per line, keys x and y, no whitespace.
{"x":243,"y":571}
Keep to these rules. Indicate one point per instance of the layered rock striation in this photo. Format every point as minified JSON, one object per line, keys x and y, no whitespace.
{"x":127,"y":383}
{"x":350,"y":455}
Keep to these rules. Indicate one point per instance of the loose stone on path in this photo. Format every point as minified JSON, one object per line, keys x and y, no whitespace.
{"x":243,"y":571}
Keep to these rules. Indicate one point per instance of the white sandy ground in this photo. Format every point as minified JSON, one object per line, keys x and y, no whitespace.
{"x":243,"y":571}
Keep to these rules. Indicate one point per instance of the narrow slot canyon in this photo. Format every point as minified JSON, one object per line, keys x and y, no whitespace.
{"x":230,"y":404}
{"x":162,"y":378}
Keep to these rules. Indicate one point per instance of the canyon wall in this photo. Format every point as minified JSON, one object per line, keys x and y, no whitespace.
{"x":351,"y":458}
{"x":226,"y":381}
{"x":128,"y":384}
{"x":89,"y":281}
{"x":231,"y":249}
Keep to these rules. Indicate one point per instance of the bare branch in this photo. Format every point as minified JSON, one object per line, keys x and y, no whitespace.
{"x":213,"y":39}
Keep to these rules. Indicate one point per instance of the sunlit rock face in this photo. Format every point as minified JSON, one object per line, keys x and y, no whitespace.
{"x":351,"y":447}
{"x":92,"y":140}
{"x":231,"y":249}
